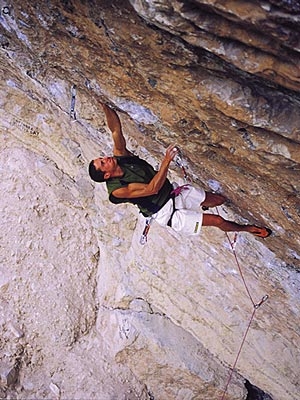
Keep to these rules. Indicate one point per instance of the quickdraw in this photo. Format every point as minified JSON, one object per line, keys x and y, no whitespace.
{"x":73,"y":100}
{"x":263,"y":300}
{"x":179,"y":161}
{"x":144,"y":236}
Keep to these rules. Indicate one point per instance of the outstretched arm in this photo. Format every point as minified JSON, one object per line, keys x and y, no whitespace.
{"x":134,"y":190}
{"x":114,"y":124}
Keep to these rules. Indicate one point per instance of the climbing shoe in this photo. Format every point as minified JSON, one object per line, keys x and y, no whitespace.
{"x":262,"y":232}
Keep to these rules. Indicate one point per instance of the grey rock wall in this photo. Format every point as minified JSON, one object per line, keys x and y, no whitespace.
{"x":86,"y":311}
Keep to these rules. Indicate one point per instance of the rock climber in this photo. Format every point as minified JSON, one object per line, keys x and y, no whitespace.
{"x":130,"y":179}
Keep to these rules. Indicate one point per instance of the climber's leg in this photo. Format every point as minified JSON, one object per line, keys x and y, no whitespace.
{"x":213,"y":200}
{"x":229,"y":226}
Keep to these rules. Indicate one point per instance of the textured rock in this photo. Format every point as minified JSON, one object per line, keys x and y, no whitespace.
{"x":86,"y":311}
{"x":8,"y":375}
{"x":258,"y":38}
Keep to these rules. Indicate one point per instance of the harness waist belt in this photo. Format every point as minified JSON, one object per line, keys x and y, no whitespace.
{"x":169,"y":223}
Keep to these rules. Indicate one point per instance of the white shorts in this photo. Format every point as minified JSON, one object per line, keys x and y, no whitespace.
{"x":187,"y":218}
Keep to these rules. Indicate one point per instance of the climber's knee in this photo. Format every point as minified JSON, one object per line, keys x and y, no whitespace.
{"x":213,"y":199}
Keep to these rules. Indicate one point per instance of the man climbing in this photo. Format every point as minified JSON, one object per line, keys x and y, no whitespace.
{"x":130,"y":179}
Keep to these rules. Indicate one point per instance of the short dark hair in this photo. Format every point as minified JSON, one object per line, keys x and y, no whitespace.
{"x":95,"y":174}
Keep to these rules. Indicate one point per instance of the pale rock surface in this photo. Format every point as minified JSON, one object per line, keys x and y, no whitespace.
{"x":86,"y":311}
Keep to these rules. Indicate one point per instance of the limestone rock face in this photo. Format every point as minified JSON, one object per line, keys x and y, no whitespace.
{"x":87,"y":312}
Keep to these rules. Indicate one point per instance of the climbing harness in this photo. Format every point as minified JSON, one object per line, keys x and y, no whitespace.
{"x":255,"y":308}
{"x":176,"y":192}
{"x":73,"y":100}
{"x":179,"y":189}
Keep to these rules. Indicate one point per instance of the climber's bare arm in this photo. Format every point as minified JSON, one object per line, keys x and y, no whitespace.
{"x":114,"y":124}
{"x":134,"y":190}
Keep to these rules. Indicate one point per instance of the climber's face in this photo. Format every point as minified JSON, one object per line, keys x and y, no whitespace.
{"x":106,"y":164}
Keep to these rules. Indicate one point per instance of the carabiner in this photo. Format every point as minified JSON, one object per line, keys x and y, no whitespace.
{"x":263,"y":300}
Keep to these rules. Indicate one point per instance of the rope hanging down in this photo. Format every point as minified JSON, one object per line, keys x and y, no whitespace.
{"x":255,"y":307}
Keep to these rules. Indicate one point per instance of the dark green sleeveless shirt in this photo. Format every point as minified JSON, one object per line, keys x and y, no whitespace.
{"x":137,"y":170}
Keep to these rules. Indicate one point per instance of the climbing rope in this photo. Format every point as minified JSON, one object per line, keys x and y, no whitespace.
{"x":242,"y":344}
{"x":180,"y":163}
{"x":232,"y":245}
{"x":238,"y":354}
{"x":255,"y":307}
